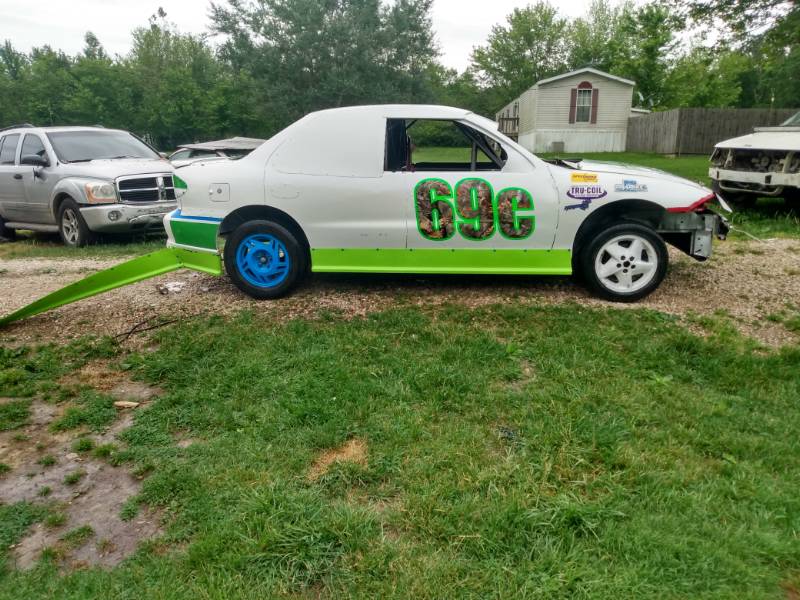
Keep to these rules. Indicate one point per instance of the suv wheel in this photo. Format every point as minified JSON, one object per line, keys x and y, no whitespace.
{"x":264,"y":259}
{"x":624,"y":262}
{"x":72,"y":227}
{"x":5,"y":232}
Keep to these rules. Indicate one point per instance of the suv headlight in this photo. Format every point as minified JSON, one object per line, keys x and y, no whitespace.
{"x":101,"y":193}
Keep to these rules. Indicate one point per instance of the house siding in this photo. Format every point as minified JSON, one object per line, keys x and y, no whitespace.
{"x":544,"y":116}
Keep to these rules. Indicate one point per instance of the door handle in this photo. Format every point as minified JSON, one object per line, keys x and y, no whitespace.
{"x":17,"y":176}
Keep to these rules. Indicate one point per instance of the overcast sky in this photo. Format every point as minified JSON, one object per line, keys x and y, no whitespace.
{"x":459,"y":24}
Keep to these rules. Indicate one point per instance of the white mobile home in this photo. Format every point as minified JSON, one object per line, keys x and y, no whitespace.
{"x":582,"y":111}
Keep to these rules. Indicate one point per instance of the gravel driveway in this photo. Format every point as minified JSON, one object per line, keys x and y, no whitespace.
{"x":748,"y":280}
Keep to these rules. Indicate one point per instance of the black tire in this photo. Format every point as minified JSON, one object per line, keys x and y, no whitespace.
{"x":791,"y":195}
{"x":6,"y":234}
{"x":72,"y":227}
{"x":612,"y":286}
{"x":292,"y":254}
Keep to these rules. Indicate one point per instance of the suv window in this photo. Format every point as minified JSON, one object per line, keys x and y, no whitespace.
{"x":84,"y":146}
{"x":440,"y":145}
{"x":8,"y":150}
{"x":32,"y":145}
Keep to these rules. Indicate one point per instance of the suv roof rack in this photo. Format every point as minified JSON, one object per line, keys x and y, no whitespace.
{"x":20,"y":126}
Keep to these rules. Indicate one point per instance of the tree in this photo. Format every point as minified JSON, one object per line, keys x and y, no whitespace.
{"x":597,"y":39}
{"x":647,"y":38}
{"x":304,"y":55}
{"x":746,"y":19}
{"x":175,"y":83}
{"x":532,"y":46}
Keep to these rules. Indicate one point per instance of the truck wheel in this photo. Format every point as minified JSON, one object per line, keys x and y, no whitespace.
{"x":72,"y":227}
{"x":264,"y":259}
{"x":6,"y":233}
{"x":624,"y":262}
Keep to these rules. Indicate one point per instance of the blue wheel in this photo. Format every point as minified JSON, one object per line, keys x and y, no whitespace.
{"x":264,"y":259}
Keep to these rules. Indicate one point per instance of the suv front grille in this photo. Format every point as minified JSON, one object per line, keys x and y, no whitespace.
{"x":146,"y":189}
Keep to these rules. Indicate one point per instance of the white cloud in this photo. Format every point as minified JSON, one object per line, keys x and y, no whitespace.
{"x":459,"y":24}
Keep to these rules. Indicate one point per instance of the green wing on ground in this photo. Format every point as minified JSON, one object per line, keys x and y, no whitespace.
{"x":143,"y":267}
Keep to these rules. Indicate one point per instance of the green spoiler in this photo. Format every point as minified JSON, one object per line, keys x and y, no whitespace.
{"x":143,"y":267}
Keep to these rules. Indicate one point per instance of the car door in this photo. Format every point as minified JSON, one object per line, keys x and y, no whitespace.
{"x":37,"y":181}
{"x":12,"y":188}
{"x":474,"y":205}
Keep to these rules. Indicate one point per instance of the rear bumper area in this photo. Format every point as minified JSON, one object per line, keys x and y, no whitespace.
{"x":120,"y":218}
{"x":694,"y":232}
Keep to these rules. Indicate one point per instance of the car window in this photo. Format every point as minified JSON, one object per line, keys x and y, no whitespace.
{"x":99,"y":144}
{"x":8,"y":151}
{"x":203,"y":153}
{"x":181,"y":155}
{"x":32,"y":145}
{"x":792,"y":121}
{"x":440,"y":145}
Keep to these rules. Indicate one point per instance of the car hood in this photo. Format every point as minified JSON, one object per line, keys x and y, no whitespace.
{"x":111,"y":169}
{"x":769,"y":139}
{"x":634,"y":171}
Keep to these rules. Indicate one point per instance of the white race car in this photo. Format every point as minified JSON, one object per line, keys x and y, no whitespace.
{"x":346,"y":190}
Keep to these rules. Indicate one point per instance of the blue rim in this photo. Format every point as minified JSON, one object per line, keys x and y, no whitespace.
{"x":263,"y":260}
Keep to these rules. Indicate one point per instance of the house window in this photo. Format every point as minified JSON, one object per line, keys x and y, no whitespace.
{"x":583,"y":113}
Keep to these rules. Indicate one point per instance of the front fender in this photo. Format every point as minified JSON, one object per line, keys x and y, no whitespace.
{"x":73,"y":187}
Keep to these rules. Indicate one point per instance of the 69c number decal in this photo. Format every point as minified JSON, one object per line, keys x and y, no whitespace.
{"x":473,"y":210}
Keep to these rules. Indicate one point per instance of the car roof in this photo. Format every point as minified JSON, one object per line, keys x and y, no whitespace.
{"x":405,"y":111}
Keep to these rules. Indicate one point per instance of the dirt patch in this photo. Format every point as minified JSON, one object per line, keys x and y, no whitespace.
{"x":748,"y":280}
{"x":87,"y":493}
{"x":354,"y":451}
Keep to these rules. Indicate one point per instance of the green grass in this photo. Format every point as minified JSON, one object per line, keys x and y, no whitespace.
{"x":14,"y":414}
{"x":47,"y":246}
{"x":512,"y":451}
{"x":769,"y":218}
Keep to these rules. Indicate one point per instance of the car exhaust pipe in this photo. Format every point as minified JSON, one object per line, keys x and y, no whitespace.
{"x":138,"y":269}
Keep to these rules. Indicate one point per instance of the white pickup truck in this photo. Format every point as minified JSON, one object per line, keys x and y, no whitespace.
{"x":763,"y":163}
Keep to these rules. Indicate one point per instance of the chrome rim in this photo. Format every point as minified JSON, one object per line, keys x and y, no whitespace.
{"x":69,"y":226}
{"x":626,"y":264}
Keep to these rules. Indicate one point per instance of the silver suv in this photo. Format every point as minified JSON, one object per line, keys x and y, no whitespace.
{"x":78,"y":181}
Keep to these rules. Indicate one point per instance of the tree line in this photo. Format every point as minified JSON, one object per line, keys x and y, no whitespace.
{"x":265,"y":63}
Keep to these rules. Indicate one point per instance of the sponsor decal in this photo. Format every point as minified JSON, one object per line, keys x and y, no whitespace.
{"x":583,"y":177}
{"x":586,"y":194}
{"x":630,"y":185}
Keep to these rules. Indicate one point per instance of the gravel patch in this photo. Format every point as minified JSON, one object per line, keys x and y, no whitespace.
{"x":748,"y":280}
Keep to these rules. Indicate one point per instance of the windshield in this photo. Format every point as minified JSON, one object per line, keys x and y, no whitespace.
{"x":83,"y":146}
{"x":792,"y":121}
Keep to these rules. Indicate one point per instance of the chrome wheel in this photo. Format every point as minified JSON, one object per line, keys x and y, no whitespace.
{"x":70,"y":227}
{"x":626,"y":263}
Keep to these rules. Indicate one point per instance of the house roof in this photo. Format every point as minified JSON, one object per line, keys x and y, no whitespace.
{"x":585,"y":70}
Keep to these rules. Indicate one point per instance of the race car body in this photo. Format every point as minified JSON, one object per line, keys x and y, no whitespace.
{"x":347,"y":190}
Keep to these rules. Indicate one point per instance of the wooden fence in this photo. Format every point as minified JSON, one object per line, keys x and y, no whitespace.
{"x":697,"y":130}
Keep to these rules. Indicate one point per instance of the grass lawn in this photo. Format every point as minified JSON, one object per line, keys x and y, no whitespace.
{"x":31,"y":245}
{"x":507,"y":452}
